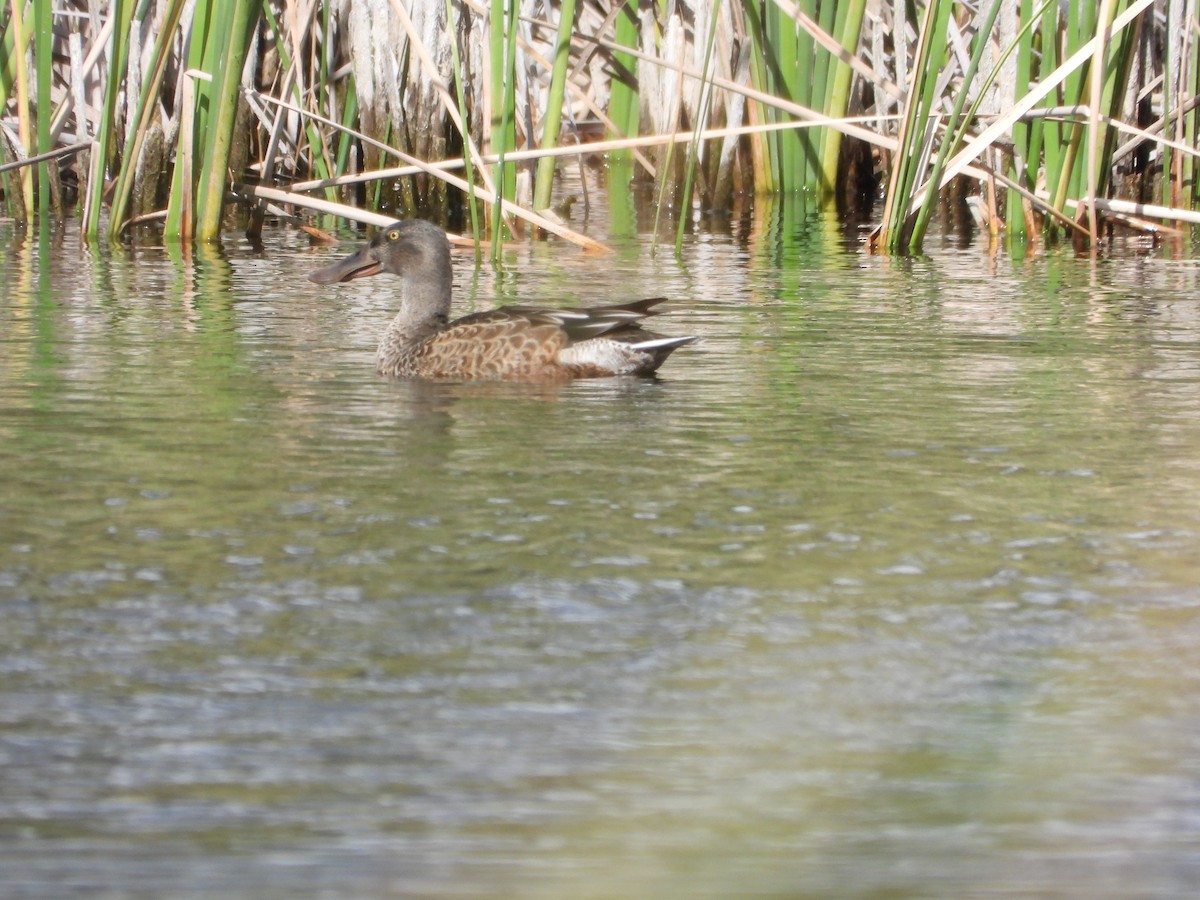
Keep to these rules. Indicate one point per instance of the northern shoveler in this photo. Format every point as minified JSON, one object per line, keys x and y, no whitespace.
{"x":514,"y":342}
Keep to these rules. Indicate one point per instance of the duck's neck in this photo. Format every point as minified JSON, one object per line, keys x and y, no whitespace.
{"x":424,"y":312}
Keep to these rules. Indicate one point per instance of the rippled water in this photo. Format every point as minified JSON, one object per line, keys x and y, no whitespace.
{"x":890,"y":586}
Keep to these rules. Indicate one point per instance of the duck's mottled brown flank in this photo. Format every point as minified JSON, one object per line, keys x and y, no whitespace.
{"x":516,"y":342}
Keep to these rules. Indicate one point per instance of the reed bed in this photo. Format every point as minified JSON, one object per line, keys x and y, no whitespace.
{"x":1052,"y":118}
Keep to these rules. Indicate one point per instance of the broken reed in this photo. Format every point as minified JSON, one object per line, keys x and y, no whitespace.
{"x":1052,"y":108}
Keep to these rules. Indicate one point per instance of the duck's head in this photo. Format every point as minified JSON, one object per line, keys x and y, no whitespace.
{"x":415,"y":249}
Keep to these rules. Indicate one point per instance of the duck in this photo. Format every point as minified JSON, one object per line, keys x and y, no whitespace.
{"x":521,"y":343}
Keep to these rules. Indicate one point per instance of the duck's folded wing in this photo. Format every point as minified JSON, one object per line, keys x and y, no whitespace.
{"x":578,"y":324}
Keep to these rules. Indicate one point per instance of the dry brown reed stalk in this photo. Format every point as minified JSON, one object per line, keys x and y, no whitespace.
{"x":1002,"y":123}
{"x":595,"y":147}
{"x":583,"y":97}
{"x":431,"y":169}
{"x":74,"y":101}
{"x":443,"y":93}
{"x":46,"y":157}
{"x":780,"y":103}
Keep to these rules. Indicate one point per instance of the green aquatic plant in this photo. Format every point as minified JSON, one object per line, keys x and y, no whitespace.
{"x":552,"y":116}
{"x":502,"y":32}
{"x":917,"y":129}
{"x":147,"y":101}
{"x":105,"y":152}
{"x":1062,"y":110}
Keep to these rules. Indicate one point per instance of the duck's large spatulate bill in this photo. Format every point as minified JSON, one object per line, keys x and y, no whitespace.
{"x":360,"y":265}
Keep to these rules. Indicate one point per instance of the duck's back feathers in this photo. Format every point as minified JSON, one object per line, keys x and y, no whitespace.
{"x":533,"y":342}
{"x":485,"y":347}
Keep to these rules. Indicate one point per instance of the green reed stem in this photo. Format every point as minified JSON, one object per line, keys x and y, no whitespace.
{"x":928,"y":60}
{"x":43,"y":28}
{"x":1022,"y":161}
{"x":1118,"y":65}
{"x":1080,"y":26}
{"x":113,"y":95}
{"x":144,"y":116}
{"x":506,"y":173}
{"x":502,"y":34}
{"x":953,"y":134}
{"x":238,"y":18}
{"x":1191,"y":120}
{"x":837,"y":101}
{"x":1071,"y":180}
{"x":1036,"y":151}
{"x":1052,"y":131}
{"x":623,"y":99}
{"x":349,"y":119}
{"x":788,"y":79}
{"x":818,"y":64}
{"x":552,"y":119}
{"x":766,"y":176}
{"x":180,"y":221}
{"x":8,"y":59}
{"x":8,"y":76}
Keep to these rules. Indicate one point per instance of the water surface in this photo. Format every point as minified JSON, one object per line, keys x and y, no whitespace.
{"x":889,"y":586}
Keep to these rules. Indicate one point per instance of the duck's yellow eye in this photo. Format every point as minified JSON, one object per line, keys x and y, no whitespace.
{"x":394,"y":234}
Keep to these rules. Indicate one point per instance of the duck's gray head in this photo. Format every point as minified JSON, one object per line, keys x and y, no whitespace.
{"x":415,"y":249}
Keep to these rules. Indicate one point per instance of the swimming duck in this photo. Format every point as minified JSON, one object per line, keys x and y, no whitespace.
{"x":515,"y":342}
